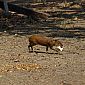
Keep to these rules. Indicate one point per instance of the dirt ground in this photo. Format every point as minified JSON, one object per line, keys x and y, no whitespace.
{"x":19,"y":67}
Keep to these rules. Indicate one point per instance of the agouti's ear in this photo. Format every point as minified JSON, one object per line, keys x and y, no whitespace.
{"x":55,"y":40}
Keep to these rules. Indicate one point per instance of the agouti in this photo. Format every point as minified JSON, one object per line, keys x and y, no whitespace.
{"x":44,"y":41}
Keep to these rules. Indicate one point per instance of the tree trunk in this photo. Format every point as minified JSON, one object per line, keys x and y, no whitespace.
{"x":6,"y":7}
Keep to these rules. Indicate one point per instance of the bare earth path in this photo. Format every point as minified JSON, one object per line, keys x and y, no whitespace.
{"x":19,"y":67}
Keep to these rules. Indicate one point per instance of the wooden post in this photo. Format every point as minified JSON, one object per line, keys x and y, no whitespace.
{"x":6,"y":7}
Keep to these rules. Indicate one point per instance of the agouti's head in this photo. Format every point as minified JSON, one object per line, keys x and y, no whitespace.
{"x":59,"y":45}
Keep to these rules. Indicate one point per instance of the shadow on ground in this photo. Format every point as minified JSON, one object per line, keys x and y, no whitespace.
{"x":50,"y":31}
{"x":22,"y":26}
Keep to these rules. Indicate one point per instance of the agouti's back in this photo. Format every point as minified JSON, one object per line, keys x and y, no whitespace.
{"x":39,"y":39}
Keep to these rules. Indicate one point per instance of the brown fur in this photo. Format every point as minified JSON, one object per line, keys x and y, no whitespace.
{"x":44,"y":41}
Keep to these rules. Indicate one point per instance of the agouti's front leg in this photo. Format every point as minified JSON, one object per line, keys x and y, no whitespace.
{"x":46,"y":48}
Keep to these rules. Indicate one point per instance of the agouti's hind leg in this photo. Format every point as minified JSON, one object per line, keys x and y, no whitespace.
{"x":30,"y":46}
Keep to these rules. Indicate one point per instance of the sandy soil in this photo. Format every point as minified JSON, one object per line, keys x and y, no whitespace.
{"x":19,"y":67}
